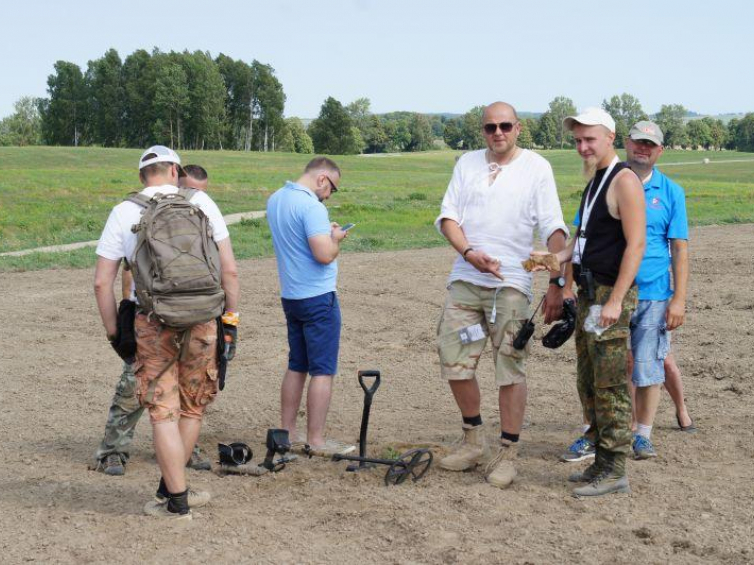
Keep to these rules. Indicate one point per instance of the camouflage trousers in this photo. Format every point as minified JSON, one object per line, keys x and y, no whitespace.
{"x":122,"y":418}
{"x":601,"y":380}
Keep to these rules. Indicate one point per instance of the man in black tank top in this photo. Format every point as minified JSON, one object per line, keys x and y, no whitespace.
{"x":605,"y":254}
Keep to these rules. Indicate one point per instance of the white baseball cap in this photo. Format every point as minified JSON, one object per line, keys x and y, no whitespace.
{"x":160,"y":154}
{"x":591,"y":117}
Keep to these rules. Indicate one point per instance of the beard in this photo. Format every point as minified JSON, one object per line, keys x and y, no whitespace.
{"x":589,"y":167}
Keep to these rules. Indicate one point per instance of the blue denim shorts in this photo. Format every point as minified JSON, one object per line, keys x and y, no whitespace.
{"x":313,"y":334}
{"x":650,"y":342}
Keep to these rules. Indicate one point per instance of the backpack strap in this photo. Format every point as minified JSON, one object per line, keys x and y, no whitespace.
{"x":187,"y":193}
{"x":138,"y":198}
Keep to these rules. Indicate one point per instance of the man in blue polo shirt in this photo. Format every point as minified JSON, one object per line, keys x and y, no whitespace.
{"x":662,"y":306}
{"x":306,"y":246}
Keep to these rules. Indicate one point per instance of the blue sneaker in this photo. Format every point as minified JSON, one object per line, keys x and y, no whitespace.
{"x":579,"y":450}
{"x":643,"y":448}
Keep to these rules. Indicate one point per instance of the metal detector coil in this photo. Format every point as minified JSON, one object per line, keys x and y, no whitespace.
{"x":413,"y":463}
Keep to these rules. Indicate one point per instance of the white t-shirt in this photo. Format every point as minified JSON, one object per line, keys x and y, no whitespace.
{"x":501,"y":219}
{"x":118,"y":241}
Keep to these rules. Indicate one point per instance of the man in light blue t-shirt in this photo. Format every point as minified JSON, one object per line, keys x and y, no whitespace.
{"x":306,"y":246}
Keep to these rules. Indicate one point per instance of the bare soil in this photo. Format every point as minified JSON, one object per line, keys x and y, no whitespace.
{"x":693,"y":504}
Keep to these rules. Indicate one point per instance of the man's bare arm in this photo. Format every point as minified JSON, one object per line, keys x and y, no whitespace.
{"x":629,"y":195}
{"x":229,"y":270}
{"x":676,"y":314}
{"x":477,"y":258}
{"x":104,"y":278}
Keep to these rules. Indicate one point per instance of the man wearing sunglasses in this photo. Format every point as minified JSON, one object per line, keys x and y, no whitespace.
{"x":496,"y":200}
{"x":306,"y":246}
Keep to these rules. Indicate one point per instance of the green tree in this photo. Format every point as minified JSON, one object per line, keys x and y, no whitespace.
{"x":24,"y":126}
{"x":360,"y":113}
{"x":560,"y":108}
{"x":139,"y":82}
{"x":699,"y":134}
{"x":670,"y":119}
{"x":376,"y":139}
{"x":239,"y":107}
{"x":64,"y":117}
{"x":332,"y":131}
{"x":743,"y":135}
{"x":471,"y":129}
{"x":420,"y":131}
{"x":718,"y":133}
{"x":171,"y":101}
{"x":626,"y":110}
{"x":452,"y":134}
{"x":206,"y":93}
{"x":106,"y":99}
{"x":269,"y":99}
{"x":528,"y":132}
{"x":547,"y":131}
{"x":294,"y":138}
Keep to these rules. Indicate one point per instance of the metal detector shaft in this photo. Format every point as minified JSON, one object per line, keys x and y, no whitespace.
{"x":362,"y":460}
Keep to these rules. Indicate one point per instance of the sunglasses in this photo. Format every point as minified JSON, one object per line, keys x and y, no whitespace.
{"x":505,"y":127}
{"x":333,"y":188}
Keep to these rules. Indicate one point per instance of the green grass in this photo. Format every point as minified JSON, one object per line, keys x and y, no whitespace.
{"x":51,"y":195}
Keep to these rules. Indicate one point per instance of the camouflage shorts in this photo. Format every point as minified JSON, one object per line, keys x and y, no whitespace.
{"x":467,"y":304}
{"x":189,"y":385}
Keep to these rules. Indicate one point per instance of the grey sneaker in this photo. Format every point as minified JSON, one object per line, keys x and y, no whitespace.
{"x":585,"y":476}
{"x":112,"y":464}
{"x":579,"y":450}
{"x":160,"y":510}
{"x":198,"y":462}
{"x":196,"y":498}
{"x":604,"y":483}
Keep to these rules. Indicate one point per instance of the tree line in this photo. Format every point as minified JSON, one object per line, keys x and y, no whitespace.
{"x":193,"y":101}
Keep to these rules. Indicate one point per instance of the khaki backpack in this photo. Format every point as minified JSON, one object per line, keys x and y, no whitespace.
{"x":176,"y":263}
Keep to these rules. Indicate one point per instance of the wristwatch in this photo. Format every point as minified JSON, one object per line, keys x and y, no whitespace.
{"x":558,"y":281}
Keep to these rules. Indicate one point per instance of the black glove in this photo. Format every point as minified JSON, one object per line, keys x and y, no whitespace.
{"x":124,"y":342}
{"x":230,"y":334}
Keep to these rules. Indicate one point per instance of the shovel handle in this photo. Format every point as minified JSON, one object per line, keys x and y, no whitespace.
{"x":375,"y":384}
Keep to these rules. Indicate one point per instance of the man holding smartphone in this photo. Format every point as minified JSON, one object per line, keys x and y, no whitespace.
{"x":306,"y":247}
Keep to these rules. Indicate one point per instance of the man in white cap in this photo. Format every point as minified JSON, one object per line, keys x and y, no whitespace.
{"x":661,"y":306}
{"x":605,"y":254}
{"x":176,"y":370}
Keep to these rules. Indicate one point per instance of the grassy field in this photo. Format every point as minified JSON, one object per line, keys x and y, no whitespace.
{"x":52,"y":195}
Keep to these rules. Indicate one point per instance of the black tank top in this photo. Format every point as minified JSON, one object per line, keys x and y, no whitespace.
{"x":605,"y":242}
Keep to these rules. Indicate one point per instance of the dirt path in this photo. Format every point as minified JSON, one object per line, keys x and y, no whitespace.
{"x":694,"y":504}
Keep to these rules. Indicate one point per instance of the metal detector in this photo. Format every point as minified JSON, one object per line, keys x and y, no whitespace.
{"x":413,"y":463}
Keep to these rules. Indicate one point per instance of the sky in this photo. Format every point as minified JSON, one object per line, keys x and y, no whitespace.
{"x":414,"y":55}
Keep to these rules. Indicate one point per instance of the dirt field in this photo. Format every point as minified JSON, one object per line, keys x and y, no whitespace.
{"x":694,"y":504}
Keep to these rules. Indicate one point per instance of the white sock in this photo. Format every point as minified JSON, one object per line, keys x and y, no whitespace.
{"x":643,"y":431}
{"x":584,"y":429}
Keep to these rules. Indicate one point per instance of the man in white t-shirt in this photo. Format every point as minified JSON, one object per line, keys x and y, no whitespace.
{"x":176,"y":393}
{"x":496,"y":200}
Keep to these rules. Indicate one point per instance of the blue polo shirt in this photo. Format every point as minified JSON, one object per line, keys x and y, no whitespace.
{"x":294,"y":214}
{"x":666,"y":219}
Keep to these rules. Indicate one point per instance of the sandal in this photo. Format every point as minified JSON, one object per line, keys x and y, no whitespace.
{"x":690,"y":429}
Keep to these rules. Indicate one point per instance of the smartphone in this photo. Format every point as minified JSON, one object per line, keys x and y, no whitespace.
{"x":347,"y":227}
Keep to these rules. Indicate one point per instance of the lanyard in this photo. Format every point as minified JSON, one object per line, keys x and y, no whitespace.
{"x":589,"y":205}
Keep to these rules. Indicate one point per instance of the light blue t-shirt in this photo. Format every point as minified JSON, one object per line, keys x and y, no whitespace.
{"x":666,"y":219}
{"x":295,"y":214}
